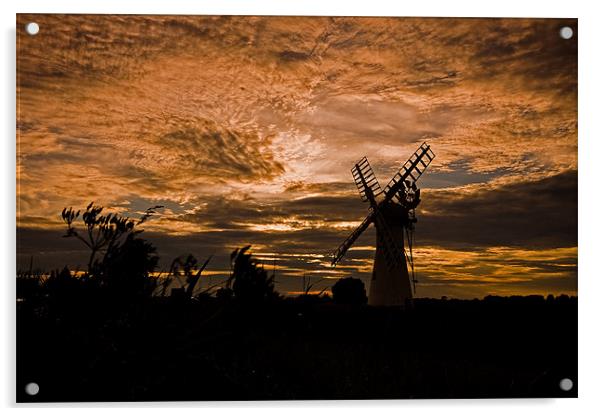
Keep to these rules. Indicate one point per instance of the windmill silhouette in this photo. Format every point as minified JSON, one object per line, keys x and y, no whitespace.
{"x":392,"y":212}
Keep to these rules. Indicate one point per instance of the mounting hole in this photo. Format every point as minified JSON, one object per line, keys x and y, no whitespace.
{"x":566,"y":32}
{"x":32,"y":389}
{"x":32,"y":28}
{"x":566,"y":384}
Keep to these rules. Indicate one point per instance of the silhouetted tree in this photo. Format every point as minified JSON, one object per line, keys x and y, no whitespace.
{"x":249,"y":281}
{"x":349,"y":291}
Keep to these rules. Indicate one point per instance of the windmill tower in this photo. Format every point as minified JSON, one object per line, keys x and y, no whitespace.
{"x":392,"y":213}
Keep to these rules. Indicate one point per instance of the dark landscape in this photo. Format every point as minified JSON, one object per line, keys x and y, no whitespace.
{"x":82,"y":344}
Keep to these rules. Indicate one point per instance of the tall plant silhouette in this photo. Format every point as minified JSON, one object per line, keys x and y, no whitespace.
{"x":102,"y":234}
{"x":119,"y":261}
{"x":250,"y":281}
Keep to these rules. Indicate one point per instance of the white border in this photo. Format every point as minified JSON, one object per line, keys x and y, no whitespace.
{"x":590,"y":202}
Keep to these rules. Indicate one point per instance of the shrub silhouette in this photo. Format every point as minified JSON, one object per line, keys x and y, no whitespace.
{"x":349,"y":291}
{"x":250,"y":282}
{"x":188,"y":268}
{"x":125,"y":270}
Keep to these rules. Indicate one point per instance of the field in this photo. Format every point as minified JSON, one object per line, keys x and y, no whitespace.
{"x":309,"y":347}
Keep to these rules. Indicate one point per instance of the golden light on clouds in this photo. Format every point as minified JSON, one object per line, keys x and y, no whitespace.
{"x":245,"y":128}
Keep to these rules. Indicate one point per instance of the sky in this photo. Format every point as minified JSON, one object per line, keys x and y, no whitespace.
{"x":245,"y":129}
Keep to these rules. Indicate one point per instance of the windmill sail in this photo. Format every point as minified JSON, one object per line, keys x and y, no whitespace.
{"x":340,"y":252}
{"x":411,"y":170}
{"x":366,"y":181}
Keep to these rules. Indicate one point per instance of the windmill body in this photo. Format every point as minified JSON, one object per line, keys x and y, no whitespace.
{"x":392,"y":213}
{"x":390,"y":285}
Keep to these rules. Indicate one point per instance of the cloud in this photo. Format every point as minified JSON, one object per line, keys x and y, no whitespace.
{"x":515,"y":235}
{"x":310,"y":212}
{"x":209,"y":155}
{"x":540,"y":213}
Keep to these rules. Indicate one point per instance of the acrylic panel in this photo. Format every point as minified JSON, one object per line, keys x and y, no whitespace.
{"x":295,"y":208}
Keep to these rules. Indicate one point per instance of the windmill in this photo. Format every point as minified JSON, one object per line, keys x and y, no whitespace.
{"x":392,"y":211}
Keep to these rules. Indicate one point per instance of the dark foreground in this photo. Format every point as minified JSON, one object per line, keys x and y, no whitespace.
{"x":303,"y":348}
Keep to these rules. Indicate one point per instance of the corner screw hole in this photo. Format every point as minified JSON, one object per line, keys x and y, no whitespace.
{"x":566,"y":32}
{"x":32,"y":389}
{"x":32,"y":28}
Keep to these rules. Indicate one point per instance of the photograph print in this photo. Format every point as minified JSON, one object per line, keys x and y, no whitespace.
{"x":216,"y":208}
